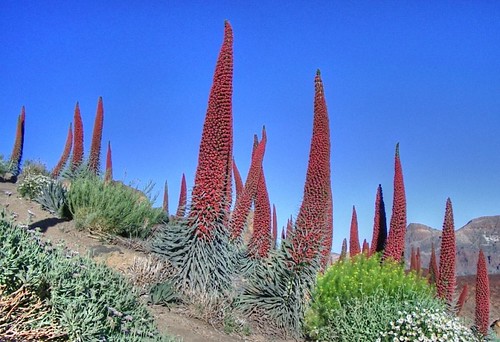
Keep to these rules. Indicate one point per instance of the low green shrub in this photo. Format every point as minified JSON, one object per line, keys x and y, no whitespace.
{"x":89,"y":301}
{"x":30,"y":185}
{"x":111,"y":208}
{"x":4,"y":166}
{"x":357,"y":298}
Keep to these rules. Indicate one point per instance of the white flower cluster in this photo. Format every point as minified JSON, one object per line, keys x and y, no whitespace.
{"x":427,"y":326}
{"x":31,"y":186}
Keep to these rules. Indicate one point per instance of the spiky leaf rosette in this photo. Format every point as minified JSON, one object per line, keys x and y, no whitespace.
{"x":379,"y":224}
{"x":181,"y":207}
{"x":244,"y":202}
{"x":396,"y":240}
{"x":237,"y":180}
{"x":260,"y":243}
{"x":447,"y":259}
{"x":65,"y":155}
{"x":482,"y":295}
{"x":211,"y":196}
{"x":277,"y":294}
{"x":17,"y":150}
{"x":108,"y":175}
{"x":313,"y":226}
{"x":433,"y":268}
{"x":95,"y":147}
{"x":77,"y":157}
{"x":354,"y":248}
{"x":202,"y":266}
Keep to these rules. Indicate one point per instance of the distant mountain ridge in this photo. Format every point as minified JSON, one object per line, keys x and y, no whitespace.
{"x":482,"y":232}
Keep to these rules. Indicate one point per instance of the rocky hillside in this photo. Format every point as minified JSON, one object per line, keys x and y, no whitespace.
{"x":482,"y":232}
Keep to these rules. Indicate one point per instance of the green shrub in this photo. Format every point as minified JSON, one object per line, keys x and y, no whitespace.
{"x":357,"y":298}
{"x":30,"y":185}
{"x":89,"y":301}
{"x":34,"y":167}
{"x":421,"y":324}
{"x":111,"y":208}
{"x":4,"y":166}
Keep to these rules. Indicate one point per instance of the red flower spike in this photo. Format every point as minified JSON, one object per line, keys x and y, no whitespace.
{"x":433,"y":268}
{"x":313,"y":227}
{"x":283,"y":235}
{"x":237,"y":180}
{"x":211,"y":196}
{"x":461,"y":299}
{"x":482,"y":295}
{"x":244,"y":202}
{"x":65,"y":155}
{"x":289,"y":226}
{"x":77,"y":158}
{"x":396,"y":240}
{"x":181,"y":207}
{"x":275,"y":228}
{"x":165,"y":199}
{"x":418,"y":265}
{"x":17,"y":150}
{"x":379,"y":224}
{"x":108,"y":176}
{"x":260,"y":243}
{"x":413,"y":259}
{"x":447,"y":259}
{"x":95,"y":148}
{"x":354,"y":248}
{"x":366,"y":248}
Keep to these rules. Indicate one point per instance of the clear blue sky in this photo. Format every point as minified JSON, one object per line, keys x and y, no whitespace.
{"x":425,"y":74}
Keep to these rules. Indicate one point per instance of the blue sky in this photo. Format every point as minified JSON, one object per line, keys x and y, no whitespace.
{"x":424,"y":74}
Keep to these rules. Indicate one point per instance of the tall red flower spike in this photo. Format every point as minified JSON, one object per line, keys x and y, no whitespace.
{"x":17,"y":150}
{"x":237,"y":180}
{"x":95,"y":147}
{"x":461,"y":299}
{"x":313,"y":228}
{"x":366,"y":248}
{"x":181,"y":207}
{"x":413,"y":260}
{"x":433,"y":268}
{"x":418,"y":262}
{"x":343,"y":251}
{"x":396,"y":240}
{"x":244,"y":202}
{"x":65,"y":154}
{"x":275,"y":228}
{"x":108,"y":175}
{"x":354,"y":248}
{"x":482,"y":295}
{"x":211,"y":196}
{"x":379,"y":224}
{"x":283,"y":235}
{"x":447,"y":259}
{"x":289,"y":226}
{"x":260,"y":243}
{"x":77,"y":158}
{"x":165,"y":199}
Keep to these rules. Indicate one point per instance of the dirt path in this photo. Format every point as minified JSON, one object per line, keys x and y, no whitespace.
{"x":171,"y":321}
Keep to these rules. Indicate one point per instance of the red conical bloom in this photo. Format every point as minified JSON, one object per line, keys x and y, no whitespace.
{"x":77,"y":158}
{"x":211,"y":196}
{"x":396,"y":240}
{"x":461,"y":299}
{"x":446,"y":282}
{"x":313,"y":226}
{"x":379,"y":224}
{"x":275,"y":227}
{"x":283,"y":235}
{"x":482,"y":295}
{"x":181,"y":207}
{"x":244,"y":202}
{"x":108,"y":176}
{"x":17,"y":150}
{"x":433,"y":268}
{"x":354,"y":248}
{"x":413,"y":259}
{"x":165,"y":199}
{"x":65,"y":154}
{"x":260,"y":243}
{"x":237,"y":180}
{"x":418,"y":265}
{"x":289,"y":226}
{"x":366,"y":248}
{"x":95,"y":148}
